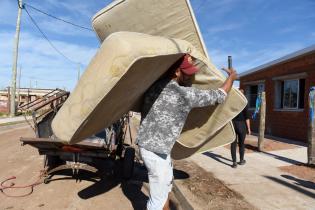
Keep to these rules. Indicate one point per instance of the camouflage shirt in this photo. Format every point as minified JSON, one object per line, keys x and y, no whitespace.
{"x":164,"y":112}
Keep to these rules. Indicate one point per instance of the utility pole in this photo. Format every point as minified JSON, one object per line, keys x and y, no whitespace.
{"x":15,"y":57}
{"x":8,"y":104}
{"x":19,"y":87}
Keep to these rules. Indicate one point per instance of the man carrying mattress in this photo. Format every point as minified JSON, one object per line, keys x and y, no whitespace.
{"x":164,"y":112}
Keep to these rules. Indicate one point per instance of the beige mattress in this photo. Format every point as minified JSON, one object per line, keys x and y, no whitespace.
{"x":221,"y":137}
{"x":168,"y":18}
{"x":122,"y":70}
{"x":127,"y":63}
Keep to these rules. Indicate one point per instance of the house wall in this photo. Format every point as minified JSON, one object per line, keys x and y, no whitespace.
{"x":4,"y":106}
{"x":281,"y":122}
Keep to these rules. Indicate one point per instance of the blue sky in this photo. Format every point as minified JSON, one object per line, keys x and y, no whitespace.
{"x":252,"y":31}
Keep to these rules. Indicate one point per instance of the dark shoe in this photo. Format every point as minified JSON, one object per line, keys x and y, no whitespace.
{"x":242,"y":162}
{"x":234,"y":165}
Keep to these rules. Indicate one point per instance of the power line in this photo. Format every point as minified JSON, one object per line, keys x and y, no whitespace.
{"x":57,"y":18}
{"x":43,"y":34}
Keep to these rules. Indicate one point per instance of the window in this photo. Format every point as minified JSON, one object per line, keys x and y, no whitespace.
{"x":290,"y":94}
{"x":252,"y":92}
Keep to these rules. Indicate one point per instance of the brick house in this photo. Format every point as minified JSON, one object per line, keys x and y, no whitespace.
{"x":287,"y":82}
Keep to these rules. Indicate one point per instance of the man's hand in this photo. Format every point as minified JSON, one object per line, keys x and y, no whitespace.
{"x":231,"y":72}
{"x":227,"y":85}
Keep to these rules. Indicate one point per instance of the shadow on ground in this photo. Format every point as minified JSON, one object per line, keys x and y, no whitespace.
{"x":300,"y":182}
{"x":218,"y":158}
{"x":290,"y":185}
{"x":226,"y":161}
{"x":285,"y":159}
{"x":109,"y":177}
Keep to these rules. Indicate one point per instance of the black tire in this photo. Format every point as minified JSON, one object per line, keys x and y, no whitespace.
{"x":128,"y":163}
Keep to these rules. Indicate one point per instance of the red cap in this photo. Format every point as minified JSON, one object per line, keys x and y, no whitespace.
{"x":187,"y":67}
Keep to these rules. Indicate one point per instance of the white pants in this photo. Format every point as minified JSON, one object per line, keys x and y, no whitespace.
{"x":160,"y":173}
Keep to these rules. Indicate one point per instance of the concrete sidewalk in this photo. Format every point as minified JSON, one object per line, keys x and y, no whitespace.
{"x":260,"y":181}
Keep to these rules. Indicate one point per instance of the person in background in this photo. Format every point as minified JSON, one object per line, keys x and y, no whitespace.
{"x":241,"y":125}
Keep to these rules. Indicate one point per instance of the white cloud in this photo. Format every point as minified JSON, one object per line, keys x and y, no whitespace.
{"x":287,"y":29}
{"x":268,"y":54}
{"x":64,"y":29}
{"x":38,"y":59}
{"x":213,"y":8}
{"x":81,"y":10}
{"x":50,"y":25}
{"x":223,"y":28}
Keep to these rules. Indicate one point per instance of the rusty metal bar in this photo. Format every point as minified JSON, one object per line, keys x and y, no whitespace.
{"x":44,"y":98}
{"x":30,"y":103}
{"x":51,"y":100}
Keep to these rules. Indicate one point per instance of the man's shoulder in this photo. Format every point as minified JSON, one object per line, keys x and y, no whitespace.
{"x":159,"y":85}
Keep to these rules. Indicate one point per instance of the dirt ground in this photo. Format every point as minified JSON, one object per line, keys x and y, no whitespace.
{"x":209,"y":192}
{"x":86,"y":191}
{"x":111,"y":192}
{"x":301,"y":171}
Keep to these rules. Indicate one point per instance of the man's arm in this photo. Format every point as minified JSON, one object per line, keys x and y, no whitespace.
{"x":232,"y":75}
{"x":200,"y":98}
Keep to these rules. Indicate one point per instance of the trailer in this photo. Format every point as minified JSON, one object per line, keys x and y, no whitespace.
{"x":58,"y":155}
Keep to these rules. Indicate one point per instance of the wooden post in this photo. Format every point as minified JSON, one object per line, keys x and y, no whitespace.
{"x":311,"y":129}
{"x":262,"y":117}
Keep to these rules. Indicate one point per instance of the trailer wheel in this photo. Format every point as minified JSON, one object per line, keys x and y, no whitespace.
{"x":128,"y":163}
{"x":52,"y":161}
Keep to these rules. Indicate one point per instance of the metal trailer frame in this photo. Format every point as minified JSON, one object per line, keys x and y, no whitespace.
{"x":81,"y":156}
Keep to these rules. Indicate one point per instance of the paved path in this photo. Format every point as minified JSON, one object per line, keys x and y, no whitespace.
{"x":260,"y":181}
{"x":13,"y":119}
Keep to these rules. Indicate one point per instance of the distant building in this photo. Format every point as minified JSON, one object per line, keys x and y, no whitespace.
{"x":26,"y":95}
{"x":287,"y":83}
